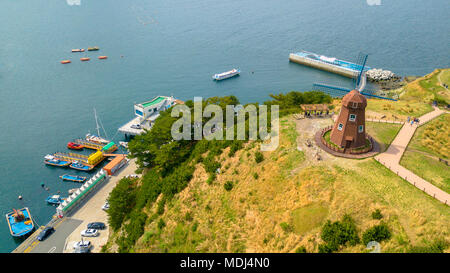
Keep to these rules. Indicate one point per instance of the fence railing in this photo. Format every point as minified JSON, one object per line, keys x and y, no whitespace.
{"x":343,"y":150}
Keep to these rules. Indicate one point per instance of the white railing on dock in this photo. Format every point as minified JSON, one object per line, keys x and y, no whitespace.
{"x":74,"y":199}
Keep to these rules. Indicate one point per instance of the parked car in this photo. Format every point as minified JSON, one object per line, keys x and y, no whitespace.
{"x":96,"y":225}
{"x":136,"y":126}
{"x":82,"y":250}
{"x":82,"y":244}
{"x":45,"y":233}
{"x":105,"y":206}
{"x":90,"y":233}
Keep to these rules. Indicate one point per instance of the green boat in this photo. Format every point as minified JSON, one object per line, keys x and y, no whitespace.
{"x":95,"y":48}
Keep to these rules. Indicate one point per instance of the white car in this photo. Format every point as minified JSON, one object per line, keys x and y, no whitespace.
{"x":136,"y":126}
{"x":82,"y":244}
{"x":105,"y":206}
{"x":89,"y":233}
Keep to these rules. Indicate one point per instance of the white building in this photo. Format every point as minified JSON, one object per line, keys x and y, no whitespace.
{"x":146,"y":113}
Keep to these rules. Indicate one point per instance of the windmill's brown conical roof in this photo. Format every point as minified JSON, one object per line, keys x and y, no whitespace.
{"x":354,"y":97}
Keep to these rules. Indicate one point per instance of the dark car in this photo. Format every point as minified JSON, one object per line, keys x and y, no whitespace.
{"x":96,"y":225}
{"x":45,"y":233}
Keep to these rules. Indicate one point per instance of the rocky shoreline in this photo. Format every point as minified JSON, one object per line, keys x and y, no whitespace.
{"x":387,"y":80}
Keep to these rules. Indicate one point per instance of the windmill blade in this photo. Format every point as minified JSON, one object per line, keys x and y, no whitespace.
{"x":332,"y":90}
{"x":337,"y":91}
{"x":361,"y":62}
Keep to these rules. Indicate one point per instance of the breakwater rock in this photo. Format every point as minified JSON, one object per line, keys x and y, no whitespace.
{"x":381,"y":75}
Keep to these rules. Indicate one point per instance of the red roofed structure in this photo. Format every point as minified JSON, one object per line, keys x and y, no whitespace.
{"x":349,"y":130}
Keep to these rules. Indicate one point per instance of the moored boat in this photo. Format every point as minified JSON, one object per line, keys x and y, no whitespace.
{"x":124,"y":144}
{"x":85,"y":59}
{"x":96,"y":139}
{"x":54,"y":161}
{"x":65,"y":61}
{"x":72,"y":191}
{"x":226,"y":75}
{"x":103,"y":57}
{"x":20,"y":222}
{"x":94,"y":48}
{"x":74,"y":146}
{"x":78,"y":50}
{"x":54,"y":199}
{"x":73,"y":178}
{"x":80,"y":166}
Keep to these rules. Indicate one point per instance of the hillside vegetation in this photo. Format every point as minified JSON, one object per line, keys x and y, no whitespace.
{"x":229,"y":196}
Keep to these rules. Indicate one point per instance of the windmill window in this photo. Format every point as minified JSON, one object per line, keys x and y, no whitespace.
{"x":352,"y":117}
{"x":355,"y":105}
{"x":340,"y":126}
{"x":361,"y":128}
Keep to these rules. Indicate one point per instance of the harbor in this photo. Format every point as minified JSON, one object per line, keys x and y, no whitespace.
{"x":78,"y":197}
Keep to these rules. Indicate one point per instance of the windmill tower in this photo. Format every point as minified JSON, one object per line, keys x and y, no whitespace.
{"x":349,"y":130}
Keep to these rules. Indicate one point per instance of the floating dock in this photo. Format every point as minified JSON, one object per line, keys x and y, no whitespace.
{"x":96,"y":146}
{"x":333,"y":65}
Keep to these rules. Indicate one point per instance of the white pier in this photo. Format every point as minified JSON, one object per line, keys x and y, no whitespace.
{"x":128,"y":130}
{"x":146,"y":114}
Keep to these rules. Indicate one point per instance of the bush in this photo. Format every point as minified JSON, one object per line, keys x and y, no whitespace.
{"x":211,"y":178}
{"x":228,"y":186}
{"x":121,"y":200}
{"x":256,"y":176}
{"x":188,"y":216}
{"x":377,"y":214}
{"x":376,"y":233}
{"x":326,"y":248}
{"x":259,"y":157}
{"x":161,"y":224}
{"x":161,"y":205}
{"x":338,"y":233}
{"x":286,"y":227}
{"x":301,"y":249}
{"x":437,"y":246}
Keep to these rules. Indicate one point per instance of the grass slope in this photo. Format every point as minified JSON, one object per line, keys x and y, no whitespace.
{"x":430,"y":142}
{"x":284,"y":206}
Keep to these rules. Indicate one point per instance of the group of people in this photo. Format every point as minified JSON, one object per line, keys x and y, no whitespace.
{"x":412,"y":120}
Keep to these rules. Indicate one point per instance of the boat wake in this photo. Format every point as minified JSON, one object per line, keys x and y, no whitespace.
{"x":143,"y":16}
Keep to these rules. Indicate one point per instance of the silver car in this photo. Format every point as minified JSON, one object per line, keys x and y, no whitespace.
{"x":90,"y":233}
{"x":82,"y":244}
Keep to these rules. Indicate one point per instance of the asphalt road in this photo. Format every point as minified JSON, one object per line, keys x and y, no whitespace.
{"x":55,"y":242}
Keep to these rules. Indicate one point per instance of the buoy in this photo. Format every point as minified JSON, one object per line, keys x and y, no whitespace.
{"x":65,"y":61}
{"x":103,"y":57}
{"x":42,"y":184}
{"x":20,"y":197}
{"x":84,"y":59}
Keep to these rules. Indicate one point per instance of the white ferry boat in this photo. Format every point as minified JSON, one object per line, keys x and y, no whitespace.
{"x":226,"y":75}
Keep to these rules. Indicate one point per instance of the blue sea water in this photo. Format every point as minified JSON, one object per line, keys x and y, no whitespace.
{"x":173,"y":47}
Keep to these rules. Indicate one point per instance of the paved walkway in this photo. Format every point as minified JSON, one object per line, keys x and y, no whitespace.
{"x":92,"y":211}
{"x":391,"y":158}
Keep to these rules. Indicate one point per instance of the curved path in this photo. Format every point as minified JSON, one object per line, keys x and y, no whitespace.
{"x":391,"y":158}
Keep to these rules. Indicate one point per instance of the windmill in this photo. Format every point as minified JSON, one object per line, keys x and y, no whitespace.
{"x":359,"y":82}
{"x":349,"y":132}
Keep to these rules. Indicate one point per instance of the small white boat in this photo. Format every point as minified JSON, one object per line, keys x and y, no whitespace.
{"x":226,"y":75}
{"x":72,"y":191}
{"x":96,"y":139}
{"x":124,"y":144}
